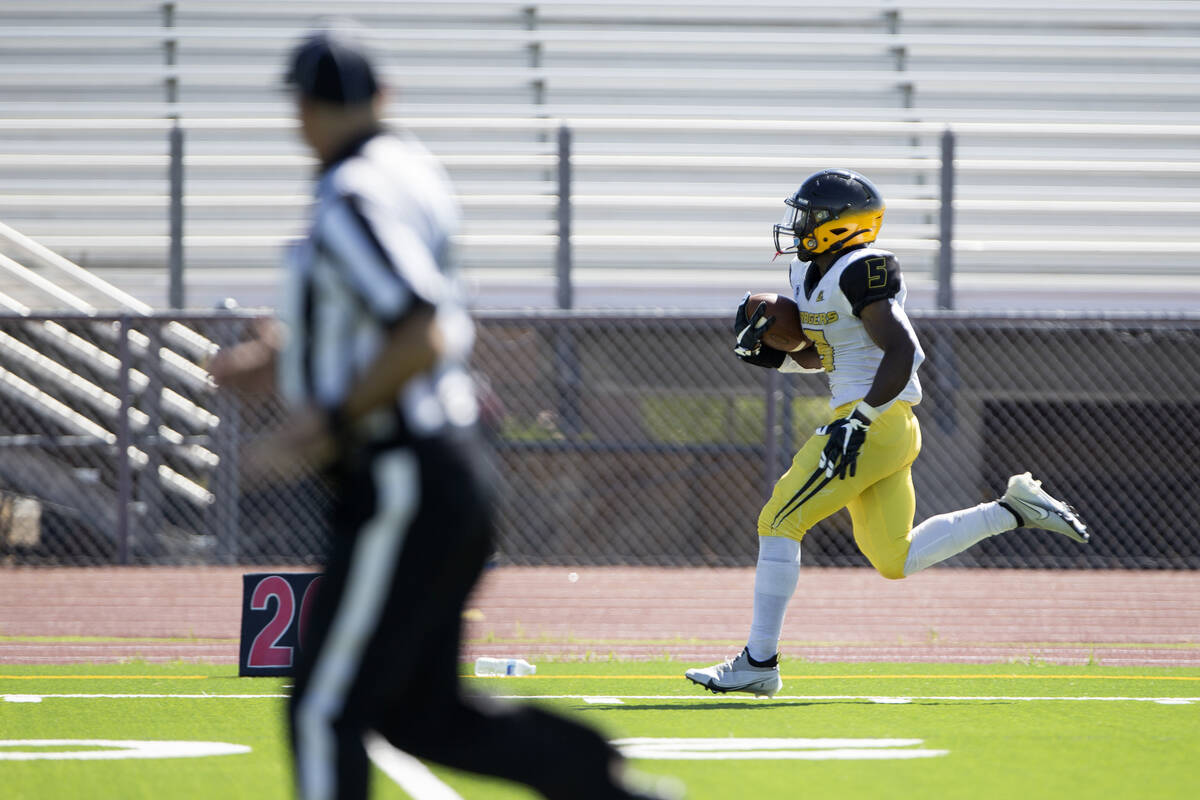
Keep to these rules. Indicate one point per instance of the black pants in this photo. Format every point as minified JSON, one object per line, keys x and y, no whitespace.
{"x":411,"y":534}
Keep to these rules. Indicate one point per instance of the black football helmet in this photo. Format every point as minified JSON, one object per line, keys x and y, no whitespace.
{"x":832,"y":210}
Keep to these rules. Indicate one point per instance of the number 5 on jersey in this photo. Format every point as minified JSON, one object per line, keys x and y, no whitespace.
{"x":877,"y":274}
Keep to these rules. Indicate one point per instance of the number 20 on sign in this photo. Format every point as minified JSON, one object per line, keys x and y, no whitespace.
{"x":275,"y":613}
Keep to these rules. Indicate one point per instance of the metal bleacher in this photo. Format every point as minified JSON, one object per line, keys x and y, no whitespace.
{"x":1077,"y":138}
{"x":65,"y":378}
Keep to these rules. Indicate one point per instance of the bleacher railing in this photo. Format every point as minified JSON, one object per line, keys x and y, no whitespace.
{"x":585,"y":203}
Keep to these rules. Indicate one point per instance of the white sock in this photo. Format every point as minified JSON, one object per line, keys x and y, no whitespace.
{"x":775,"y":579}
{"x":945,"y":535}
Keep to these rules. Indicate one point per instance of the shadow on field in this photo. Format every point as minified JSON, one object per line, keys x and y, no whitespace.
{"x":702,"y":704}
{"x":707,"y":705}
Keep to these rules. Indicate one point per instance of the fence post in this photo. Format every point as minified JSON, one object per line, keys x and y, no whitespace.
{"x":538,"y":85}
{"x":224,"y":517}
{"x":175,"y":218}
{"x":563,"y":255}
{"x":124,"y":440}
{"x":787,"y":422}
{"x":566,"y":354}
{"x":175,"y":298}
{"x":170,"y":52}
{"x":148,"y":484}
{"x":945,"y":290}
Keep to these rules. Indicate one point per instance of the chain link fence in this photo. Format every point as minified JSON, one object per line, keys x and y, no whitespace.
{"x":614,"y":439}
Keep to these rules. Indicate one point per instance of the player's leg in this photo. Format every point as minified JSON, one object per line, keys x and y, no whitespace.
{"x":881,"y":492}
{"x":882,"y":517}
{"x":755,"y":670}
{"x":775,"y":577}
{"x":1024,"y":504}
{"x":803,"y":496}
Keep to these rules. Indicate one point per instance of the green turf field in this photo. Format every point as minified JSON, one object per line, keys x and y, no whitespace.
{"x":836,"y":731}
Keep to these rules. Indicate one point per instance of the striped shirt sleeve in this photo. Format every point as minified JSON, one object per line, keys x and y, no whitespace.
{"x":384,"y":267}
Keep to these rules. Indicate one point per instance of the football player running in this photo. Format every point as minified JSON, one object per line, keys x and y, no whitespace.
{"x":851,"y":300}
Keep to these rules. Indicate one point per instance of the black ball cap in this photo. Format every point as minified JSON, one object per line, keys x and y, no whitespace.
{"x":333,"y":68}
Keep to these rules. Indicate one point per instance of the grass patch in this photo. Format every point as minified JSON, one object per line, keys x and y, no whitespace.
{"x":737,"y":419}
{"x":996,"y":731}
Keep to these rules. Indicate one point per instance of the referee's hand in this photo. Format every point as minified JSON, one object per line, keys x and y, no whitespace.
{"x":301,"y":445}
{"x":249,"y":366}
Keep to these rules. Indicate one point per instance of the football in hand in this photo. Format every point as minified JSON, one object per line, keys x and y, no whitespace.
{"x":786,"y":332}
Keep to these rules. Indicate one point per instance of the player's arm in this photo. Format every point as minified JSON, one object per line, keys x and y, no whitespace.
{"x":807,"y":359}
{"x":870,"y":284}
{"x":749,"y":326}
{"x":896,"y":339}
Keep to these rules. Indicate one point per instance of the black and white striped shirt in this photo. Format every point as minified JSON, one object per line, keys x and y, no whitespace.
{"x":378,"y":248}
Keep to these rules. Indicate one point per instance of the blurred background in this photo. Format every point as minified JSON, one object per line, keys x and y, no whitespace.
{"x":620,"y":166}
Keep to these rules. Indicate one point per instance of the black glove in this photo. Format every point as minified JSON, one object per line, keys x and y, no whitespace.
{"x":846,"y":437}
{"x":749,"y":330}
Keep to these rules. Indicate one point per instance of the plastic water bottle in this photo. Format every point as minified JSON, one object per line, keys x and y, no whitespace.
{"x":503,"y":666}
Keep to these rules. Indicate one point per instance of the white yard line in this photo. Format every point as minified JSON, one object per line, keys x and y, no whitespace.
{"x":873,"y":698}
{"x":409,"y":774}
{"x":26,"y":697}
{"x":21,"y":698}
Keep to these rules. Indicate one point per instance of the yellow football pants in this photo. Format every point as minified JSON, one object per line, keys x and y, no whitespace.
{"x":879,"y":496}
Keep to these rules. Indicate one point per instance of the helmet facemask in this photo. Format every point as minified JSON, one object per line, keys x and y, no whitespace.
{"x":799,"y":223}
{"x":833,"y":210}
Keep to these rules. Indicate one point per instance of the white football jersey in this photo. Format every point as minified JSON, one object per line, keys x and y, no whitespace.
{"x":829,"y":308}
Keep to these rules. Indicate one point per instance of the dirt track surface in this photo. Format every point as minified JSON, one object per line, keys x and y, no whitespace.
{"x":973,"y":616}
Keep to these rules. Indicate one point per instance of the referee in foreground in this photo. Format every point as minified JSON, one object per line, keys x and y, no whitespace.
{"x":372,"y":361}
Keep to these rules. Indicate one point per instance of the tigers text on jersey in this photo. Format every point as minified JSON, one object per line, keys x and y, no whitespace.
{"x":377,"y":249}
{"x":830,"y":305}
